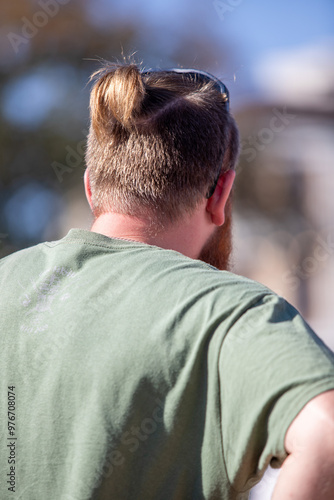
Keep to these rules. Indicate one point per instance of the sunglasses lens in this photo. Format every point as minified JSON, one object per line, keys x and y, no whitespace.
{"x":198,"y":76}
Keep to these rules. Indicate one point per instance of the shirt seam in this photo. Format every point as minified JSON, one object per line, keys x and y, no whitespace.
{"x":73,"y":241}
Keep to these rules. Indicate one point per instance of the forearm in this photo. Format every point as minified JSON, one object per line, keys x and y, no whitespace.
{"x":306,"y":478}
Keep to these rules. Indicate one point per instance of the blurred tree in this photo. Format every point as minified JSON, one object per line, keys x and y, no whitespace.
{"x":48,"y":49}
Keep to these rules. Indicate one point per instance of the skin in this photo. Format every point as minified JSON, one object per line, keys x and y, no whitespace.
{"x":188,"y":237}
{"x":308,"y":471}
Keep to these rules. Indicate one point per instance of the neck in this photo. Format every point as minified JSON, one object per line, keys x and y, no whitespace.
{"x":185,"y":237}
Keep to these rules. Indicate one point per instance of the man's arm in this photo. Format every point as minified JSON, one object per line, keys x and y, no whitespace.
{"x":308,"y":471}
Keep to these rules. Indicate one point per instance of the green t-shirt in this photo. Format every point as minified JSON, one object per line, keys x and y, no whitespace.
{"x":133,"y":372}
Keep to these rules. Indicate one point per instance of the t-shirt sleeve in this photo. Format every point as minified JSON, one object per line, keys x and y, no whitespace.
{"x":271,"y":364}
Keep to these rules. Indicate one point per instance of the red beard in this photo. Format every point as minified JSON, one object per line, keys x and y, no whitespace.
{"x":217,"y":251}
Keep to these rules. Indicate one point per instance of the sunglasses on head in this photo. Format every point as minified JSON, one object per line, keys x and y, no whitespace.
{"x":198,"y":76}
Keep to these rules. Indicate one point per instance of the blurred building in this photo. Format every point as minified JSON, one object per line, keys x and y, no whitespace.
{"x":284,"y":229}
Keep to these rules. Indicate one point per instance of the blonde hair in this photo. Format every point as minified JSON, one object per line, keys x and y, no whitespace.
{"x":156,"y":143}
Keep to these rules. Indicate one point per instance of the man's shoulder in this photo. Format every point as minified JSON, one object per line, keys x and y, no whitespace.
{"x":20,"y":256}
{"x":137,"y":262}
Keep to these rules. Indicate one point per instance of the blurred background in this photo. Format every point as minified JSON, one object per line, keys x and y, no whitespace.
{"x":277,"y":60}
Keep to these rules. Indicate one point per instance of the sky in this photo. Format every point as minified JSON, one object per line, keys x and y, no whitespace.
{"x":261,"y":26}
{"x":267,"y":41}
{"x":251,"y":29}
{"x":253,"y":26}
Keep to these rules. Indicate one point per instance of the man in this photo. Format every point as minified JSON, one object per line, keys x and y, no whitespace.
{"x":133,"y":367}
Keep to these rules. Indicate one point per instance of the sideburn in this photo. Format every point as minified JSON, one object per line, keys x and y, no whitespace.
{"x":217,"y":251}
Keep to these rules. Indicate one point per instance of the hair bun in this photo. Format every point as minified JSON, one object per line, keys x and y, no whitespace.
{"x":118,"y":93}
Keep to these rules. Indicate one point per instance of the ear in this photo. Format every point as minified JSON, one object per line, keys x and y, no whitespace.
{"x":88,"y":189}
{"x":217,"y":202}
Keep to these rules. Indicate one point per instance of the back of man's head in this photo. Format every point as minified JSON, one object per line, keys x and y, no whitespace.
{"x":157,"y":142}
